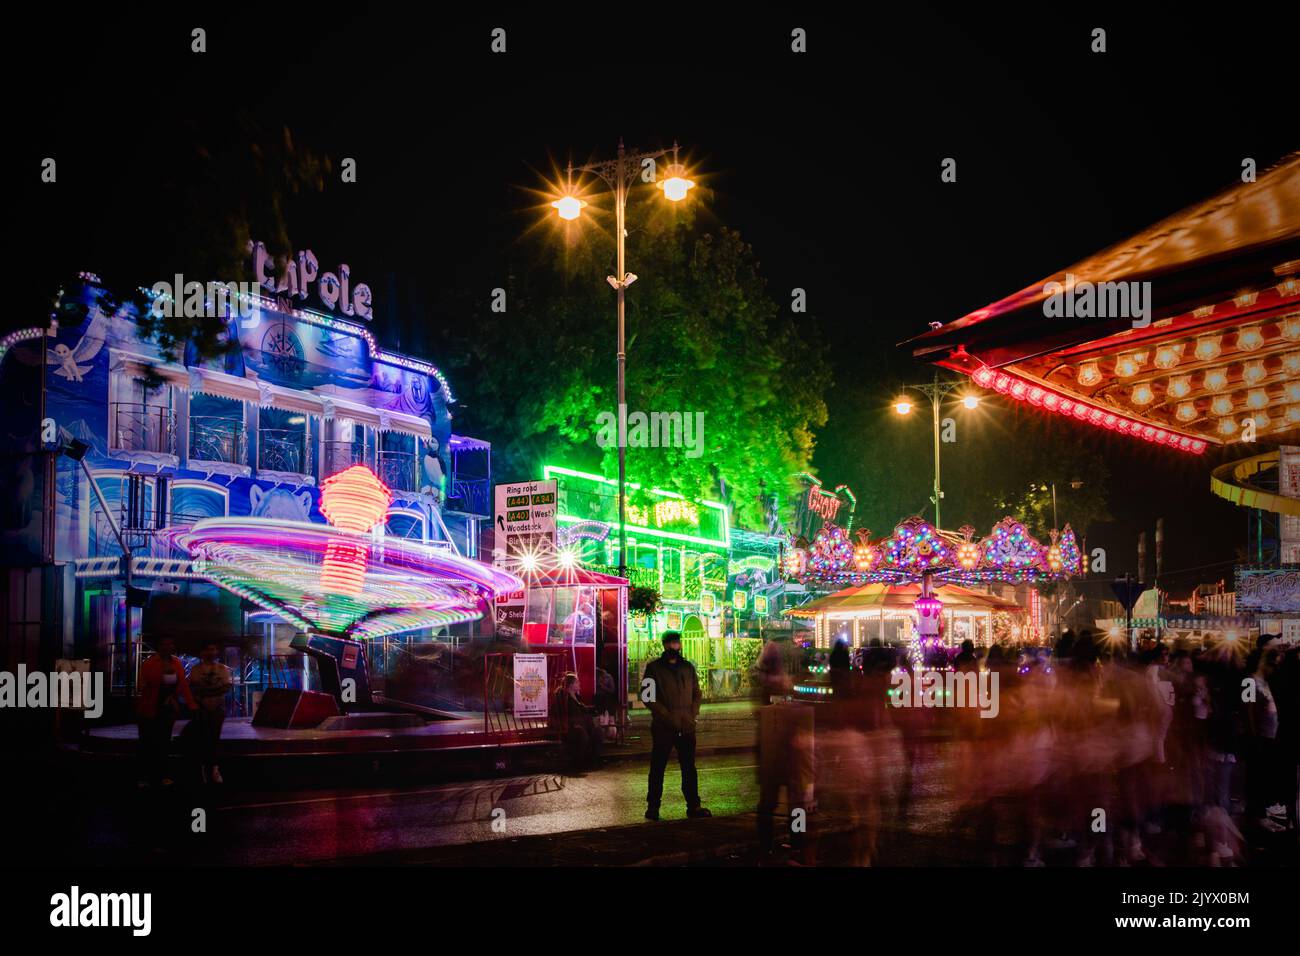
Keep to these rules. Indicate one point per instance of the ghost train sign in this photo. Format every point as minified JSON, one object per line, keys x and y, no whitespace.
{"x":294,"y":276}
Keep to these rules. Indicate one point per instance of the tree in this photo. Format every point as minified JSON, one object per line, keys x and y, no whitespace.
{"x":703,"y":336}
{"x":219,"y":201}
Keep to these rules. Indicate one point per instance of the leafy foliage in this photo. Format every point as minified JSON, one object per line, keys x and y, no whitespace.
{"x":643,"y":601}
{"x":703,"y":335}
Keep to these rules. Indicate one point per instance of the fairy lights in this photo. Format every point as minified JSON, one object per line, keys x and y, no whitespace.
{"x":916,"y":551}
{"x":1014,"y":387}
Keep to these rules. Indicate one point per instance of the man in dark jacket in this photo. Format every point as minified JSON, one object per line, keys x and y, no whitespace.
{"x":672,"y":692}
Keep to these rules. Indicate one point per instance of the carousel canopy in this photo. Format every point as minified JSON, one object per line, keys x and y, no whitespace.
{"x":1214,"y":342}
{"x":870,"y":598}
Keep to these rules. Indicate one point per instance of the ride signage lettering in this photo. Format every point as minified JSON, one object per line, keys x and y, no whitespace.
{"x":295,"y":275}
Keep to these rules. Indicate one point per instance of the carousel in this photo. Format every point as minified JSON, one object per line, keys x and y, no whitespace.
{"x":896,"y":581}
{"x":341,"y":583}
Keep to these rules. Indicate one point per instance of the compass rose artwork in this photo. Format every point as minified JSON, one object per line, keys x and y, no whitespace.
{"x":282,"y":347}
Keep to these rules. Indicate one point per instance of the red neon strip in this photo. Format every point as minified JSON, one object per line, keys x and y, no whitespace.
{"x":1025,"y":391}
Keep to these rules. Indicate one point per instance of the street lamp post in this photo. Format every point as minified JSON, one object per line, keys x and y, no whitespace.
{"x":1075,"y":484}
{"x":936,"y":391}
{"x":619,"y":173}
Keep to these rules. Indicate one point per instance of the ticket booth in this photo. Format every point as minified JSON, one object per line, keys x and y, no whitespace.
{"x":583,"y":613}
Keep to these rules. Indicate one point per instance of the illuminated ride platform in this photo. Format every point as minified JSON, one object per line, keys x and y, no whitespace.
{"x":339,"y":585}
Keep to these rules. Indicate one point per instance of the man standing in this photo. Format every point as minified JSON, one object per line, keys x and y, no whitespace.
{"x":673,"y":696}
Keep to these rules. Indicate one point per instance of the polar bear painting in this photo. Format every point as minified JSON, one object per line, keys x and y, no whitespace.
{"x":279,"y":504}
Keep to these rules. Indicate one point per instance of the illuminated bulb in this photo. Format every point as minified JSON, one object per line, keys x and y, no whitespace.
{"x":1142,"y":395}
{"x":1293,"y":391}
{"x":1208,"y":348}
{"x":1180,"y":387}
{"x":902,"y":406}
{"x":1292,"y":363}
{"x":1250,"y":339}
{"x":1167,"y":356}
{"x":1126,"y":366}
{"x":676,"y":185}
{"x":1187,"y":411}
{"x":1262,"y":421}
{"x":1293,"y":414}
{"x":1216,"y":380}
{"x":569,"y":207}
{"x":1245,"y":299}
{"x":1089,"y":374}
{"x":1227,"y":426}
{"x":354,"y":499}
{"x":1258,"y":398}
{"x":1222,"y":405}
{"x":971,"y":401}
{"x":1254,"y":373}
{"x":1291,"y":328}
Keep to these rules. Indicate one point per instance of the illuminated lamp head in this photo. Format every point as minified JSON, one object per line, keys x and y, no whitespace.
{"x":354,"y":499}
{"x":677,"y":183}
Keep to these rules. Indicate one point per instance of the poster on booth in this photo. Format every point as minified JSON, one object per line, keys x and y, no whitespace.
{"x":530,"y":685}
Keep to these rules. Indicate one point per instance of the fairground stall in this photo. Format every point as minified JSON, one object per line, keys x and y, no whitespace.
{"x":886,"y":613}
{"x":716,"y":584}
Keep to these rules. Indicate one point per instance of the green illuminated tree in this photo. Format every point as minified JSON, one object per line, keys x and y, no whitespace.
{"x":703,"y":336}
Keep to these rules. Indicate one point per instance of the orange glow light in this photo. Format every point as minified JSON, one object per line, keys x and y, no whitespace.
{"x":354,"y":499}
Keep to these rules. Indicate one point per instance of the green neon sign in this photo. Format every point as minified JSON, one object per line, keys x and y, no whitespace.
{"x":670,"y":516}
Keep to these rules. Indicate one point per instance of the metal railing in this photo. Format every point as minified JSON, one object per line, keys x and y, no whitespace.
{"x":137,"y":427}
{"x":470,"y":496}
{"x":339,"y":455}
{"x":283,"y":449}
{"x":142,"y":537}
{"x":397,"y":470}
{"x":217,"y":438}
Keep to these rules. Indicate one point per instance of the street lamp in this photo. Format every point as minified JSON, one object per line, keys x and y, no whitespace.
{"x":619,"y":174}
{"x":936,"y":391}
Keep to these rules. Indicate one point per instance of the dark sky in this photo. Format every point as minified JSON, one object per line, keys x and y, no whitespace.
{"x":828,"y":163}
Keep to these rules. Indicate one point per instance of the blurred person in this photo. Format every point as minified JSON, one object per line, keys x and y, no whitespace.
{"x":675,"y":707}
{"x":582,"y":738}
{"x":1286,"y":693}
{"x":210,"y":681}
{"x":162,"y":686}
{"x":770,"y":677}
{"x":1262,"y":726}
{"x":786,"y":762}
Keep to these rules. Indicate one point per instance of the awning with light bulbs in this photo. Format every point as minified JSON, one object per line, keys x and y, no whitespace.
{"x":1219,"y":361}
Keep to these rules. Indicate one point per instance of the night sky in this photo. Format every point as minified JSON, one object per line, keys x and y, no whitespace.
{"x":827,"y":163}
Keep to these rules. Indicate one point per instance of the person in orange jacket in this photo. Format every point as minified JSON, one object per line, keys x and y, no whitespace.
{"x":162,"y":687}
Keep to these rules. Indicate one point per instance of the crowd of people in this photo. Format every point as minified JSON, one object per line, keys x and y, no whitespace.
{"x":1093,"y":755}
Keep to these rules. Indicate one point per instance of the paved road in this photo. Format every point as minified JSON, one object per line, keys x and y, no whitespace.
{"x":312,"y":826}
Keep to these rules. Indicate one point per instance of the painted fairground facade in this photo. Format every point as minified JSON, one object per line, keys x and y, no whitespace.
{"x":719,"y":585}
{"x":299,"y":396}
